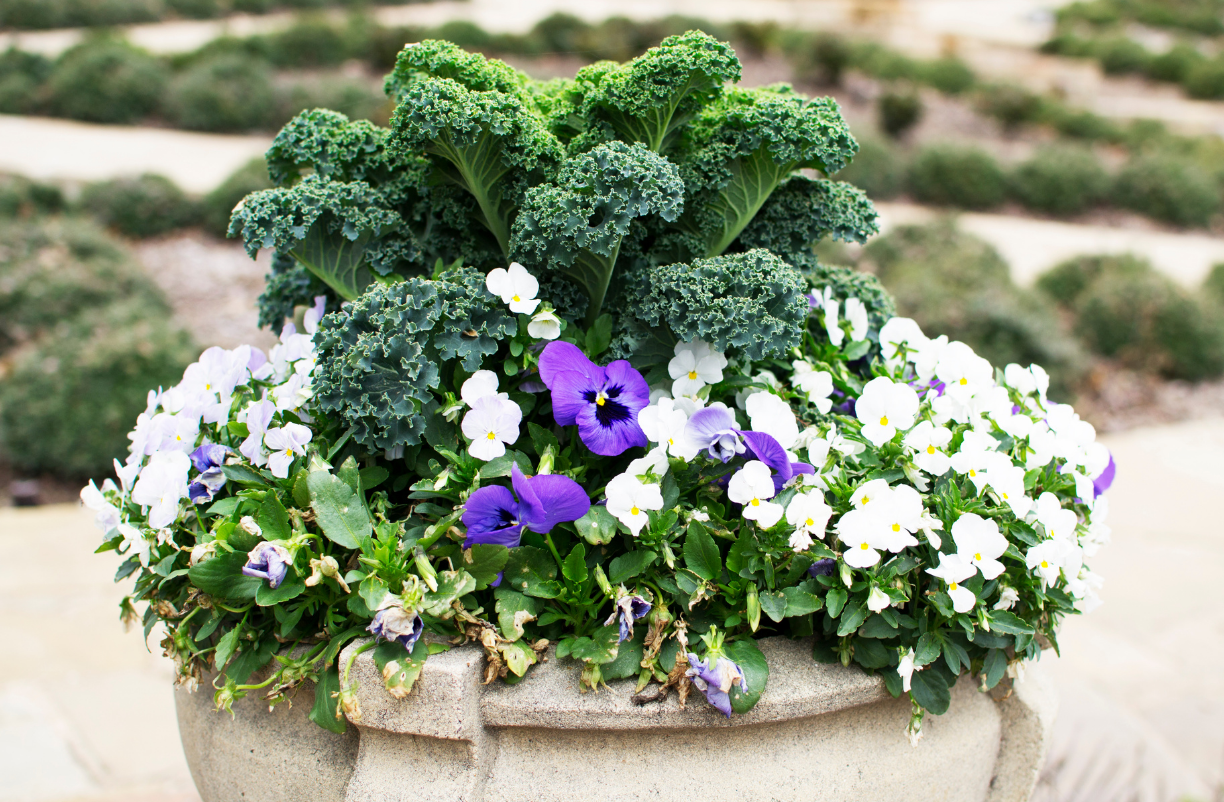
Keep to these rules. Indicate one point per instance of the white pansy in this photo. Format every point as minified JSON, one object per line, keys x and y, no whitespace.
{"x":1046,"y":559}
{"x":1096,"y":459}
{"x":492,"y":423}
{"x":1007,"y":481}
{"x":856,"y":316}
{"x":664,"y":423}
{"x":979,"y":543}
{"x":695,"y":365}
{"x":817,"y":385}
{"x":963,"y":372}
{"x":752,"y":486}
{"x":480,"y":384}
{"x":1042,"y":443}
{"x":1058,"y":522}
{"x":545,"y":325}
{"x":864,"y":534}
{"x":878,"y":600}
{"x":1007,"y":598}
{"x":161,"y":486}
{"x":284,"y":443}
{"x":257,"y":416}
{"x":1025,"y":380}
{"x":869,"y":493}
{"x":106,"y":514}
{"x":763,"y":377}
{"x":972,"y":458}
{"x":900,"y":510}
{"x":1018,"y":425}
{"x":655,"y":462}
{"x":928,"y":355}
{"x":927,"y":525}
{"x":629,"y":498}
{"x":898,"y":335}
{"x":809,"y":514}
{"x":906,"y":668}
{"x":885,"y":408}
{"x":134,"y":542}
{"x":954,"y":570}
{"x":928,"y":443}
{"x":515,"y":287}
{"x":831,"y":306}
{"x":770,"y":414}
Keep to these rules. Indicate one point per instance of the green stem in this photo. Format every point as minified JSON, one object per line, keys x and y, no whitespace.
{"x":353,"y":658}
{"x":553,"y":549}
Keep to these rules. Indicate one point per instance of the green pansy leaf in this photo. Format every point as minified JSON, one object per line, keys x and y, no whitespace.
{"x":484,"y":562}
{"x":221,"y":576}
{"x":597,"y":526}
{"x":835,"y":599}
{"x":629,"y":654}
{"x":701,"y":553}
{"x":532,"y":571}
{"x":290,"y":588}
{"x":773,"y":604}
{"x":872,"y":654}
{"x":574,"y":568}
{"x":929,"y":690}
{"x":509,"y":606}
{"x":339,"y":510}
{"x":273,"y":519}
{"x":752,"y":662}
{"x":326,"y":707}
{"x":852,"y":618}
{"x":629,"y":565}
{"x":800,"y":601}
{"x":994,"y":667}
{"x":600,"y":648}
{"x":451,"y":585}
{"x":1010,"y":623}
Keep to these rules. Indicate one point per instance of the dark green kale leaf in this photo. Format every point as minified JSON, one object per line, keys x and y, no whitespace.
{"x":435,"y":58}
{"x":803,"y":211}
{"x":380,"y":356}
{"x":749,"y":302}
{"x":288,"y":285}
{"x":325,"y":225}
{"x":575,"y":225}
{"x":742,"y":147}
{"x":328,"y":144}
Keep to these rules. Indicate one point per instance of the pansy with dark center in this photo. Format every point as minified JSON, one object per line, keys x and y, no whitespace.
{"x":629,"y":607}
{"x":603,"y":402}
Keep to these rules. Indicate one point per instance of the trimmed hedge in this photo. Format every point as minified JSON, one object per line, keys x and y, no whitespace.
{"x":1169,"y":188}
{"x":1061,"y":181}
{"x":898,"y":109}
{"x":106,"y":81}
{"x":218,"y":205}
{"x":957,"y":175}
{"x":147,"y":206}
{"x":230,"y":92}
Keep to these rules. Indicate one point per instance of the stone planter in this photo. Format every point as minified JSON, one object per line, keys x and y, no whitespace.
{"x":819,"y":732}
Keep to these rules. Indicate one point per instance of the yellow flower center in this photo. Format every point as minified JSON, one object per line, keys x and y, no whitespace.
{"x":865,"y":500}
{"x":977,"y":556}
{"x":963,"y":382}
{"x":896,"y":527}
{"x":1005,"y":497}
{"x":492,"y":436}
{"x":809,"y":522}
{"x":1045,"y":564}
{"x":756,"y":502}
{"x":864,"y":546}
{"x":972,"y":472}
{"x":600,"y":400}
{"x":635,"y":511}
{"x":930,"y":449}
{"x":951,"y":586}
{"x":883,"y":420}
{"x":208,"y":386}
{"x":517,"y":299}
{"x":671,"y":442}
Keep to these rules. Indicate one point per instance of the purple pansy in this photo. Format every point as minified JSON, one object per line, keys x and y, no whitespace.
{"x":1103,"y":482}
{"x":769,"y":451}
{"x":207,"y":459}
{"x":268,"y":561}
{"x":715,"y":677}
{"x":603,"y":402}
{"x":825,"y":566}
{"x":392,"y":622}
{"x":713,"y":429}
{"x":629,"y":608}
{"x":493,"y":514}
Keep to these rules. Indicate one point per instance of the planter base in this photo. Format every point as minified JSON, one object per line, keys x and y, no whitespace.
{"x":819,"y":732}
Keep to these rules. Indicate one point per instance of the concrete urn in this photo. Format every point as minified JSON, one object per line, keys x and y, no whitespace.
{"x":819,"y":732}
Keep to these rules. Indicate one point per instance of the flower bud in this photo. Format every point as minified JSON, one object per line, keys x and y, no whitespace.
{"x":249,"y":526}
{"x":601,"y":579}
{"x":547,"y":459}
{"x":754,"y":608}
{"x":425,"y":569}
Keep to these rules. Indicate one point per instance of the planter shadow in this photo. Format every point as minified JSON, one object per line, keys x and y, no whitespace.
{"x":819,"y":732}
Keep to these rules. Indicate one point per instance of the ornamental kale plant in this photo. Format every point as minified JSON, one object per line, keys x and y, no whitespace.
{"x":664,"y":432}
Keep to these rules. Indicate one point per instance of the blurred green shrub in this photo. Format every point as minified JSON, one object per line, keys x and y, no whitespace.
{"x":52,"y":270}
{"x":308,"y":43}
{"x":1169,"y":188}
{"x":146,"y":206}
{"x":106,"y":81}
{"x":958,"y":175}
{"x":878,"y":168}
{"x":1013,"y":106}
{"x":217,"y":205}
{"x":955,"y":284}
{"x":1060,"y":180}
{"x":68,"y":401}
{"x":1120,"y":55}
{"x":1213,"y":285}
{"x":898,"y":109}
{"x":1123,"y":309}
{"x":820,"y":58}
{"x":949,"y":75}
{"x":355,"y":97}
{"x":1175,"y":64}
{"x":227,"y":93}
{"x":21,"y":197}
{"x":1205,"y":80}
{"x":22,"y":76}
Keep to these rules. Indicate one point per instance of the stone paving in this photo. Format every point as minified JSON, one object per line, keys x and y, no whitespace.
{"x":86,"y":714}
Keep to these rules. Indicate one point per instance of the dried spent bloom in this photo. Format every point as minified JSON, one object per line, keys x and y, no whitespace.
{"x":268,"y":561}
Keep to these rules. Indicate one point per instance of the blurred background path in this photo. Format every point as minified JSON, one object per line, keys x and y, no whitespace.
{"x":87,"y":714}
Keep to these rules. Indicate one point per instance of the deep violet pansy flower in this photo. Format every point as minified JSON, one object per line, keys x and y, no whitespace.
{"x":825,"y":566}
{"x":713,"y":430}
{"x":268,"y":561}
{"x":494,"y":516}
{"x":768,"y":450}
{"x":603,"y":402}
{"x":628,"y":608}
{"x":393,"y":622}
{"x":1103,"y":482}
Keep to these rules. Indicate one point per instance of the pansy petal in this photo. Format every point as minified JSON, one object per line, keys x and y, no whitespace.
{"x":562,"y":356}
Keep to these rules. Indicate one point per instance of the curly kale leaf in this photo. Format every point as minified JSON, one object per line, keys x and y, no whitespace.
{"x":576,"y":224}
{"x":380,"y":356}
{"x":289,"y":285}
{"x":325,"y":225}
{"x":328,"y":144}
{"x":752,"y":302}
{"x":651,"y":98}
{"x":487,"y":142}
{"x":435,"y":58}
{"x":743,"y":146}
{"x":803,"y":211}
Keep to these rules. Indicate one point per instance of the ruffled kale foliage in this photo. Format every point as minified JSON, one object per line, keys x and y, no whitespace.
{"x":381,"y":357}
{"x":750,"y":302}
